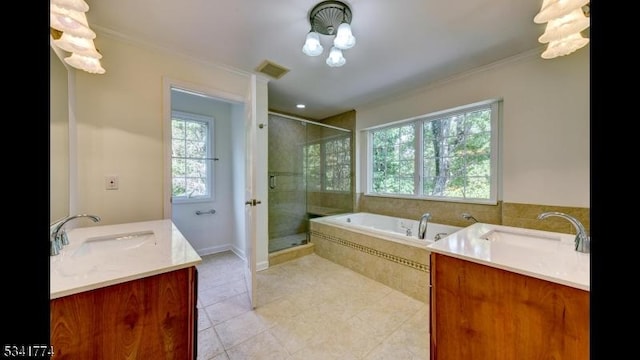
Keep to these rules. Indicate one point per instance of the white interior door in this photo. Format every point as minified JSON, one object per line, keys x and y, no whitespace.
{"x":251,"y":202}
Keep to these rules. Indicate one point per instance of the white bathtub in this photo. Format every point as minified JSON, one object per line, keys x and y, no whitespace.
{"x":378,"y":247}
{"x":389,"y":227}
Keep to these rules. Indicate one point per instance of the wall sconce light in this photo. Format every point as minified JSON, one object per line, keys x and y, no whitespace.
{"x":565,"y":20}
{"x":70,"y":32}
{"x":330,"y":18}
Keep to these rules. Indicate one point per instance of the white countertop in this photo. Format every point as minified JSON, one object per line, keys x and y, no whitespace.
{"x":541,"y":254}
{"x":95,"y":258}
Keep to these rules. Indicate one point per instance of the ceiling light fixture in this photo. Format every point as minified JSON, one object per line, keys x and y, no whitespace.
{"x":70,"y":32}
{"x":565,"y":19}
{"x":332,"y":18}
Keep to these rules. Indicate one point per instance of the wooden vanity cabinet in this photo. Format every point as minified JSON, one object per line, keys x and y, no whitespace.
{"x":481,"y":312}
{"x":151,"y":318}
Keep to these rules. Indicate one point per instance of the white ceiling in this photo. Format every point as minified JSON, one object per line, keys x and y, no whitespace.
{"x":401,"y":44}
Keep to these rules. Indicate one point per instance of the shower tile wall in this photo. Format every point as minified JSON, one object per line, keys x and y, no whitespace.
{"x":287,"y":208}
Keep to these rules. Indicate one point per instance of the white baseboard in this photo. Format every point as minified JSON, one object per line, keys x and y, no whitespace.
{"x":214,"y":249}
{"x":239,"y":252}
{"x":263,"y":265}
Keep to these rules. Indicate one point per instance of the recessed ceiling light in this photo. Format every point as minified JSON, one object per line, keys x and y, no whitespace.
{"x":301,"y":106}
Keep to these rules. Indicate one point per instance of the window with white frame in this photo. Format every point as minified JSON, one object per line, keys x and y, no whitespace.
{"x":451,"y":155}
{"x":191,"y":157}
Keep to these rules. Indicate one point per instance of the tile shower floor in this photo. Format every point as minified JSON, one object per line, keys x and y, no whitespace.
{"x":307,"y":308}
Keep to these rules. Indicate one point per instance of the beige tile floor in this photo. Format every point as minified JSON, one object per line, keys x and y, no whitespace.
{"x":308,"y":308}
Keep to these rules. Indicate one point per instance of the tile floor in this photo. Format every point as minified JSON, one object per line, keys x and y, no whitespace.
{"x":307,"y":308}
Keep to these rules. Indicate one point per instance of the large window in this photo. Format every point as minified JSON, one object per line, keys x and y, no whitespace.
{"x":191,"y":155}
{"x":451,"y":155}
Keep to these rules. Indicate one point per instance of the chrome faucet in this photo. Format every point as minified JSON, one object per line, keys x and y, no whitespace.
{"x":422,"y":225}
{"x":58,"y":237}
{"x":469,"y":217}
{"x":583,"y":242}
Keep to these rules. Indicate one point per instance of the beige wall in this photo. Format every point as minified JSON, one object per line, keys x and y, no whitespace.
{"x":545,"y":149}
{"x":119,"y":124}
{"x":59,"y":138}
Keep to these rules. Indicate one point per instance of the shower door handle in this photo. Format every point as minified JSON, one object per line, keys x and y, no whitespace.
{"x":272,"y":181}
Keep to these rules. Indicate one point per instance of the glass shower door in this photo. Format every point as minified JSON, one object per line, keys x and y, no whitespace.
{"x":287,"y":198}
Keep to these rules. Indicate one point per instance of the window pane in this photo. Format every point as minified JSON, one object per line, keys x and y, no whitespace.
{"x":196,"y":168}
{"x":478,"y":187}
{"x":196,"y":149}
{"x":178,"y":167}
{"x":453,"y":190}
{"x":196,"y":187}
{"x":179,"y":187}
{"x":405,"y":185}
{"x":479,"y":121}
{"x":406,"y":167}
{"x":177,"y":129}
{"x":393,"y":160}
{"x":196,"y":131}
{"x":478,"y":143}
{"x":178,"y":148}
{"x":479,"y":165}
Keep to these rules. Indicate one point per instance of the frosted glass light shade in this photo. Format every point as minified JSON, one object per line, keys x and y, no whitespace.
{"x":78,"y":45}
{"x":71,"y":21}
{"x":552,"y":9}
{"x":86,"y":63}
{"x":564,"y":46}
{"x":335,"y":58}
{"x":312,"y":46}
{"x":559,"y":28}
{"x":77,"y":5}
{"x":344,"y":38}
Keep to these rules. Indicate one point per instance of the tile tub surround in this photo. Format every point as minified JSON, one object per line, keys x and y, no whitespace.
{"x":401,"y":267}
{"x":503,"y":213}
{"x":442,"y":212}
{"x":526,"y":216}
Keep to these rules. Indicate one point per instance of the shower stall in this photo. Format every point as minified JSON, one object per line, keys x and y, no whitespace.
{"x":310,"y":175}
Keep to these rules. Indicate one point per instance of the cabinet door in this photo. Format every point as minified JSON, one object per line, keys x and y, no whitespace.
{"x":481,"y":312}
{"x":150,"y":318}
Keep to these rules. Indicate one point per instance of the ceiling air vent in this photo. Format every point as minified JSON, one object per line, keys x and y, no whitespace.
{"x":272,"y":69}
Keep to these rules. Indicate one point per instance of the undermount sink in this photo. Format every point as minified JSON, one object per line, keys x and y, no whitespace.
{"x":525,"y":238}
{"x":115,"y":243}
{"x":103,"y":253}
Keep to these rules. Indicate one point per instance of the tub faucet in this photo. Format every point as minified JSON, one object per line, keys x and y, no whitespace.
{"x":58,"y":237}
{"x":422,"y":225}
{"x":469,"y":217}
{"x":583,"y":242}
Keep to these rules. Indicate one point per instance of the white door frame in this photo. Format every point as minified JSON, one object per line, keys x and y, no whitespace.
{"x":167,"y":84}
{"x":251,"y":201}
